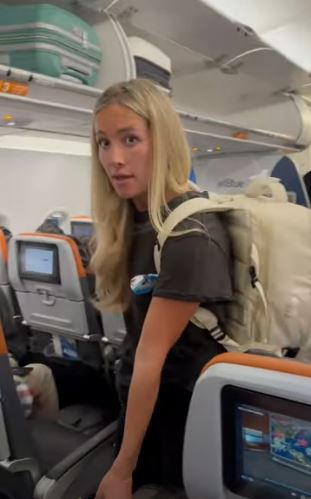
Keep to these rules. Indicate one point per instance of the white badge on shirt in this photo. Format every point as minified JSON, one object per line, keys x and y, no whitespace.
{"x":143,"y":284}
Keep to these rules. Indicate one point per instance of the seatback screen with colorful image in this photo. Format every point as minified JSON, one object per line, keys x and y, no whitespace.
{"x":266,"y":445}
{"x":291,"y":442}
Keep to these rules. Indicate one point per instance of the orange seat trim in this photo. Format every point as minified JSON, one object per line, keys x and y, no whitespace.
{"x":82,"y":218}
{"x":3,"y":347}
{"x":262,"y":362}
{"x":3,"y":247}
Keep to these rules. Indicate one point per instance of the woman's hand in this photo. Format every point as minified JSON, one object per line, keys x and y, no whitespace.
{"x":116,"y":484}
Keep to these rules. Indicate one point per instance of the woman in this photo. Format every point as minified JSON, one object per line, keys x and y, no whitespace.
{"x":140,"y":171}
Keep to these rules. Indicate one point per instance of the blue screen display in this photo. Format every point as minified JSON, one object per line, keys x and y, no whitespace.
{"x":38,"y":261}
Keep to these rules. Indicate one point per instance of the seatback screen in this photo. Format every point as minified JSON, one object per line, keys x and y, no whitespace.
{"x":270,"y":447}
{"x":53,"y":221}
{"x":39,"y":262}
{"x":82,"y":229}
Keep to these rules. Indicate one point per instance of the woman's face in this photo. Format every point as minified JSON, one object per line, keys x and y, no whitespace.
{"x":125,"y":152}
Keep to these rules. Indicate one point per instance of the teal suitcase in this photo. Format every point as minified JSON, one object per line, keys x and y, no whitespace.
{"x":49,"y":40}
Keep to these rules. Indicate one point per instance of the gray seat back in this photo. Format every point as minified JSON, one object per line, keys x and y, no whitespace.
{"x":81,"y":226}
{"x":51,"y":287}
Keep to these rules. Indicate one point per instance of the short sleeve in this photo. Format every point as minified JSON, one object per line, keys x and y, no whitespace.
{"x":195,"y":266}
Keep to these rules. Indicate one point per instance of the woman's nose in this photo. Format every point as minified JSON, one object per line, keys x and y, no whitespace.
{"x":116,"y":155}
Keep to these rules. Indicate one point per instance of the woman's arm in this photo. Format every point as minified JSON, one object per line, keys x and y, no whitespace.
{"x":165,"y":321}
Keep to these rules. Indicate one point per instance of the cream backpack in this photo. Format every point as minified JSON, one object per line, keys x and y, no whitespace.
{"x":271,"y":246}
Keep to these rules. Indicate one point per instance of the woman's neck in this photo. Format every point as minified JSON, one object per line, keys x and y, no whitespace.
{"x":141,"y":202}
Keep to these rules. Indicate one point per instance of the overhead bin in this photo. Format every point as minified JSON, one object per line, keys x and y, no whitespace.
{"x":220,"y":66}
{"x":219,"y":43}
{"x":62,"y":107}
{"x":49,"y":113}
{"x":284,"y":26}
{"x":245,"y":138}
{"x":49,"y":40}
{"x":150,"y":62}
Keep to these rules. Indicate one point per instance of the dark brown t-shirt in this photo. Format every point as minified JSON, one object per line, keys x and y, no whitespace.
{"x":194,"y":267}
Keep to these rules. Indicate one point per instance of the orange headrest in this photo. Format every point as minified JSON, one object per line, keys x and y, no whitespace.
{"x":262,"y":362}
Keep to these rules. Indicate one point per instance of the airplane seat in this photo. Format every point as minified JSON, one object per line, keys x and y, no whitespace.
{"x":48,"y":277}
{"x":4,"y":275}
{"x":59,"y":441}
{"x":82,"y":228}
{"x":17,"y":338}
{"x":44,"y":459}
{"x":82,"y":231}
{"x":49,"y":280}
{"x":248,"y":432}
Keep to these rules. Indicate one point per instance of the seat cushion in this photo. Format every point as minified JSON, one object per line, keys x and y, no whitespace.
{"x":53,"y":442}
{"x":76,"y":424}
{"x":86,"y":419}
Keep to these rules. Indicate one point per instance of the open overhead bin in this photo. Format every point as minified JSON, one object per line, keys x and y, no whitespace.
{"x":215,"y":42}
{"x":284,"y":25}
{"x":225,"y":108}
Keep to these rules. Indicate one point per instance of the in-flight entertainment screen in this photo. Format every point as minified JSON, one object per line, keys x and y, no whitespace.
{"x":270,"y":447}
{"x":38,"y":262}
{"x":82,"y":229}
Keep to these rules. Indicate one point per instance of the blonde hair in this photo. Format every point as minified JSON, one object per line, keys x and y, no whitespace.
{"x":113,"y":215}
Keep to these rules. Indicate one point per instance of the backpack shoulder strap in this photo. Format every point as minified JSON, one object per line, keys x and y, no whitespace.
{"x":183,"y":211}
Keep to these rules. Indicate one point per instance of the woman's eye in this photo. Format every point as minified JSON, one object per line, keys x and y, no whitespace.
{"x":131,"y":140}
{"x":103,"y":143}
